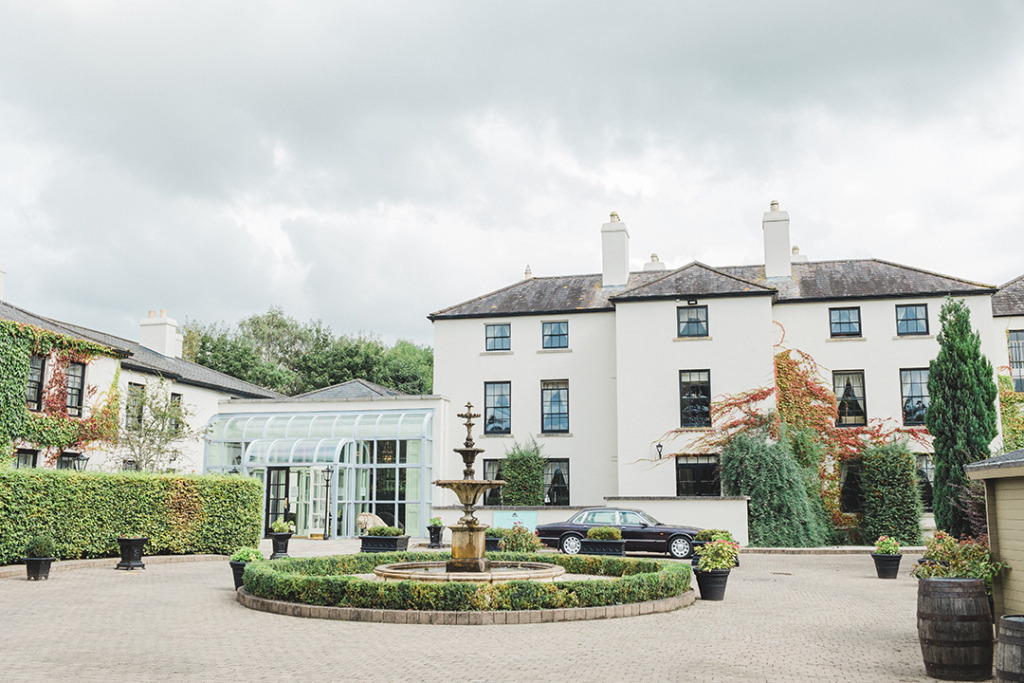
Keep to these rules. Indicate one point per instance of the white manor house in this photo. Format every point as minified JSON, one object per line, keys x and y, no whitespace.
{"x":600,"y":368}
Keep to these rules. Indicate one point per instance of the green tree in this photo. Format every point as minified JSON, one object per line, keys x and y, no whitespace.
{"x":523,"y":473}
{"x":155,"y":429}
{"x":961,"y":412}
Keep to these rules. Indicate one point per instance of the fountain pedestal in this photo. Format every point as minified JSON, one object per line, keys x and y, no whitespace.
{"x":468,"y":549}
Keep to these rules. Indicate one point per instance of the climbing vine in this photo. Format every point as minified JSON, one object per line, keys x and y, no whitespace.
{"x":51,"y":429}
{"x":1011,"y":406}
{"x":805,"y":412}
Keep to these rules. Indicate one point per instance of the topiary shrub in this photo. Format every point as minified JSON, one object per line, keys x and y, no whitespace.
{"x":604,"y":533}
{"x":780,"y":512}
{"x":523,"y":473}
{"x":40,"y":546}
{"x":384,"y":531}
{"x":86,"y":512}
{"x":892,"y":501}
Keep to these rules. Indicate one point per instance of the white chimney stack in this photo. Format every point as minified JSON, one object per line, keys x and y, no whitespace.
{"x":615,"y":253}
{"x":3,"y":280}
{"x":776,"y":243}
{"x":161,"y":334}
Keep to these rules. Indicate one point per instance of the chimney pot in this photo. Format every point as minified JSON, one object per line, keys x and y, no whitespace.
{"x":163,"y":312}
{"x":152,"y":314}
{"x":527,"y":274}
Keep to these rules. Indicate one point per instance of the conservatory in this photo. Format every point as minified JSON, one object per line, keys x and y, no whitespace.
{"x":321,"y":469}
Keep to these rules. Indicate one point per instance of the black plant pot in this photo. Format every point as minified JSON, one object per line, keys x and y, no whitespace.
{"x":237,"y":569}
{"x":131,"y":552}
{"x":886,"y":566}
{"x":712,"y":583}
{"x":383,"y":544}
{"x":280,"y":543}
{"x":491,"y":544}
{"x":593,"y":546}
{"x":38,"y":568}
{"x":435,"y":536}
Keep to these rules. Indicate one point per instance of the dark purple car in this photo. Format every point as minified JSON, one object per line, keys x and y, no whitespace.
{"x":640,"y":531}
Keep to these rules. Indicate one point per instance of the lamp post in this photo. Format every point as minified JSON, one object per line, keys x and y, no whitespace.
{"x":659,"y":447}
{"x":328,"y":475}
{"x":79,"y":462}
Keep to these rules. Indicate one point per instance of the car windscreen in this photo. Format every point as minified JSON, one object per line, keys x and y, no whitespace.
{"x":650,"y":520}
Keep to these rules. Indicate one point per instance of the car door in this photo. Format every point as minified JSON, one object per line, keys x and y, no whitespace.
{"x":634,"y":531}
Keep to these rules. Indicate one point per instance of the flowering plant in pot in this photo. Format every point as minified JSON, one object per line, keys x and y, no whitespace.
{"x":493,"y":536}
{"x":706,"y":536}
{"x":519,"y":539}
{"x":40,"y":552}
{"x":280,"y":532}
{"x":717,"y":558}
{"x":239,"y":559}
{"x":435,"y":529}
{"x":887,"y":557}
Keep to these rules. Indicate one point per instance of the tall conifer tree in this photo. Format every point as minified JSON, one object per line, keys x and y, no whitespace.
{"x":961,"y":412}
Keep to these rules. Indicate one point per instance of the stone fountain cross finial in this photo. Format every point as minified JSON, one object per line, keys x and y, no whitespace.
{"x":469,"y":415}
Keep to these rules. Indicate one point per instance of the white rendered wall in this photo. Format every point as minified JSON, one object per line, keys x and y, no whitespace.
{"x":461,"y":366}
{"x":738,"y":352}
{"x":879,"y":351}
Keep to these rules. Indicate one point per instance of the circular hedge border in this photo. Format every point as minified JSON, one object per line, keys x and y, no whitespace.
{"x":328,"y":582}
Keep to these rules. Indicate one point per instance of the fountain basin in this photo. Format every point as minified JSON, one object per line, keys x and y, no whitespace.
{"x":499,"y":572}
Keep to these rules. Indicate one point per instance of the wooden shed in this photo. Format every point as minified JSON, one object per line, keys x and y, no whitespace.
{"x":1004,"y":497}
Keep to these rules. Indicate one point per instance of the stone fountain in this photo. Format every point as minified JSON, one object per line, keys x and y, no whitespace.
{"x":469,"y":562}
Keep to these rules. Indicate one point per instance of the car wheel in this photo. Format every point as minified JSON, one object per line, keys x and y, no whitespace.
{"x":680,"y":547}
{"x":570,"y":544}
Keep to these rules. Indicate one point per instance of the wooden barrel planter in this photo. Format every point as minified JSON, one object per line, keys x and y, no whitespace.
{"x":954,"y":625}
{"x":1010,"y":651}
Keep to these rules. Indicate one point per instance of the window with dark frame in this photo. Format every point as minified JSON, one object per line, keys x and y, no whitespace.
{"x":34,"y":389}
{"x":66,"y":461}
{"x":498,"y":337}
{"x":911,"y":319}
{"x":555,"y":335}
{"x":497,"y":407}
{"x":493,"y":471}
{"x":849,"y":389}
{"x":76,"y":386}
{"x":914,"y":390}
{"x":25,"y":458}
{"x":134,"y":405}
{"x":694,"y":398}
{"x":554,"y":405}
{"x":698,"y":476}
{"x":1015,"y":342}
{"x":176,"y":405}
{"x":692,"y":321}
{"x":844,"y":322}
{"x":556,"y":481}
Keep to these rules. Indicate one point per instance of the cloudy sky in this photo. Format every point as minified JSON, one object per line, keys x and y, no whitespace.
{"x":368,"y":163}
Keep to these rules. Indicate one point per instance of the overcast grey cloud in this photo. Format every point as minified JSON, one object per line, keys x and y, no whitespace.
{"x":368,"y":163}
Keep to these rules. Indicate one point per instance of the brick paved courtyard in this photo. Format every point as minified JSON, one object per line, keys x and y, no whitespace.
{"x":785,"y":618}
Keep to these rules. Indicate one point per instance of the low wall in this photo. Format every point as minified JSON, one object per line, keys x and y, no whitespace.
{"x":699,"y":511}
{"x":728,"y":512}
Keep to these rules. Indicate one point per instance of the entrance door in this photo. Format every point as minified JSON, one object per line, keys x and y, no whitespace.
{"x":277,"y":495}
{"x":302,"y":503}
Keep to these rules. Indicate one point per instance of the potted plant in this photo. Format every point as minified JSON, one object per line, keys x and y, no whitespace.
{"x":435,"y":528}
{"x":39,"y":553}
{"x":717,"y":558}
{"x":383,"y":539}
{"x":954,"y":608}
{"x":939,"y":548}
{"x":706,"y":536}
{"x":239,"y":559}
{"x":887,"y":557}
{"x":131,"y":551}
{"x":603,"y":540}
{"x":519,"y":539}
{"x":280,"y":531}
{"x":492,"y":538}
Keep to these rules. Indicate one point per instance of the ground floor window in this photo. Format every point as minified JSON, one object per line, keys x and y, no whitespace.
{"x":925,"y":472}
{"x":698,"y":476}
{"x":556,"y":482}
{"x":25,"y":458}
{"x":492,"y":470}
{"x":66,"y":461}
{"x":850,"y":499}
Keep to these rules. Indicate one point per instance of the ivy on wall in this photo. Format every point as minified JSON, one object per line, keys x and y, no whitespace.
{"x":1011,"y":406}
{"x":52,"y":429}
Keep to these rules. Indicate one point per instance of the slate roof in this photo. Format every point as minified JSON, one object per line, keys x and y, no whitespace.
{"x":1011,"y":459}
{"x":1009,"y":300}
{"x":352,"y":389}
{"x":135,"y":356}
{"x":811,"y":281}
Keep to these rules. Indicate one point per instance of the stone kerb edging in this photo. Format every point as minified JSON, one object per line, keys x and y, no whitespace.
{"x":18,"y":570}
{"x":481,"y":618}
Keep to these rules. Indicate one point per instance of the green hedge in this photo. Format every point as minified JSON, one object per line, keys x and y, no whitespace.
{"x":892,"y":501}
{"x":85,"y":512}
{"x":328,"y":581}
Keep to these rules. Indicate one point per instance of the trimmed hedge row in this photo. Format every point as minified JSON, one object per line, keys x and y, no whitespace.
{"x":328,"y":581}
{"x":85,"y":512}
